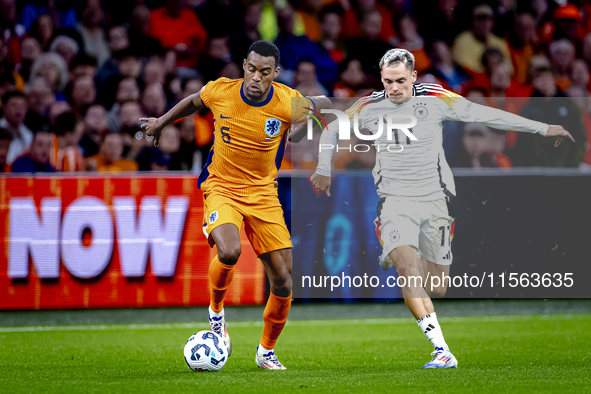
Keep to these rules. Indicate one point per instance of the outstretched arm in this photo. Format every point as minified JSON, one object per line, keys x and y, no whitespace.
{"x":185,"y":107}
{"x":299,"y":131}
{"x":560,"y":132}
{"x":464,"y":110}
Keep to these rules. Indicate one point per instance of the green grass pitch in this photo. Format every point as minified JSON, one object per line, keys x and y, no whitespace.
{"x":496,"y":354}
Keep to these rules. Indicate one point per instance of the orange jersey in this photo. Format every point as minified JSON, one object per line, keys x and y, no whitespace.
{"x":118,"y":166}
{"x":249,"y":137}
{"x":68,"y":159}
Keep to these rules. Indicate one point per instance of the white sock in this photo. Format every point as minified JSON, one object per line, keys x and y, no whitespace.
{"x":430,"y":327}
{"x":262,"y":350}
{"x":215,"y":314}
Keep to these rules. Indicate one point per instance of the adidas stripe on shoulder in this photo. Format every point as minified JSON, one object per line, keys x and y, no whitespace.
{"x":432,"y":89}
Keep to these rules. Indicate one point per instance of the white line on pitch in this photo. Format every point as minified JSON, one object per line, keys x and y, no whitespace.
{"x":295,"y":323}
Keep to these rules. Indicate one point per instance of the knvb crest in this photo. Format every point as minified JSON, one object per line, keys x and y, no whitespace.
{"x":272,"y":127}
{"x":213,"y":217}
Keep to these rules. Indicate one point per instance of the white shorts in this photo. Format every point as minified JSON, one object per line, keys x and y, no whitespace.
{"x":426,"y":225}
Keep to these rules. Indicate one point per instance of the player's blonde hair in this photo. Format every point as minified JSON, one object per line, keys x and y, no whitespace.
{"x":397,"y":55}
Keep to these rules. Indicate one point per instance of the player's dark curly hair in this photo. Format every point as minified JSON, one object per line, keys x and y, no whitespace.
{"x":265,"y":49}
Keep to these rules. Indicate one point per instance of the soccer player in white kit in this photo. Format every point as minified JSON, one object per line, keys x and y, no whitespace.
{"x":414,"y":182}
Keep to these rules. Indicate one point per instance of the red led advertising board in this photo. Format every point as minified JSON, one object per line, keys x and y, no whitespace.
{"x":97,"y":241}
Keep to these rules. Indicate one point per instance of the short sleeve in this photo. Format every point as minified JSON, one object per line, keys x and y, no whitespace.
{"x":301,"y":107}
{"x":207,"y":93}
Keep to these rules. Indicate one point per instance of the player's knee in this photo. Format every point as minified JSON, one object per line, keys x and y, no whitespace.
{"x":281,"y":283}
{"x":282,"y":288}
{"x":438,"y":291}
{"x":405,"y":270}
{"x":229,"y":255}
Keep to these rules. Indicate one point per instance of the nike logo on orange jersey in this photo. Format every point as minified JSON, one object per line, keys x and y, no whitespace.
{"x":225,"y":117}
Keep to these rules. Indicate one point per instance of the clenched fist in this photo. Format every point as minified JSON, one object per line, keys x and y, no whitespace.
{"x":321,"y":183}
{"x":152,"y":127}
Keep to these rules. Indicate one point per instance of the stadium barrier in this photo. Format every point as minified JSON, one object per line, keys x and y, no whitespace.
{"x":96,"y":241}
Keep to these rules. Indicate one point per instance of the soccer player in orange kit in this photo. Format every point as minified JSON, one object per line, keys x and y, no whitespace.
{"x":252,"y":118}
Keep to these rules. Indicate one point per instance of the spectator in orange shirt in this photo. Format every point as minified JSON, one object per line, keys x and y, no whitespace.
{"x":66,"y":153}
{"x":309,"y":14}
{"x":562,"y":56}
{"x":521,"y":45}
{"x":177,"y":27}
{"x":482,"y":147}
{"x":356,"y":13}
{"x":567,"y":22}
{"x":331,"y":18}
{"x":109,"y":159}
{"x":410,"y":40}
{"x":352,"y":78}
{"x":502,"y":96}
{"x":492,"y":58}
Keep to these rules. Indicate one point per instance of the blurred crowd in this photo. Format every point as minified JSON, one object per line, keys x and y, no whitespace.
{"x":76,"y":76}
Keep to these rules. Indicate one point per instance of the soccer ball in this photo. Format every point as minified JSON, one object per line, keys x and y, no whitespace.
{"x":205,"y":351}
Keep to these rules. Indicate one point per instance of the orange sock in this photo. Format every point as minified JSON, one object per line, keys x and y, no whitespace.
{"x":220,"y":277}
{"x":275,"y":316}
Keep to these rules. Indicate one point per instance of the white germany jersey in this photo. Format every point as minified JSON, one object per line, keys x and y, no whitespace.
{"x":416,"y":169}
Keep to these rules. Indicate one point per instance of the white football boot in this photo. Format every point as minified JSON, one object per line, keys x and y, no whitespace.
{"x":442,"y":359}
{"x":268,"y":361}
{"x":218,"y":325}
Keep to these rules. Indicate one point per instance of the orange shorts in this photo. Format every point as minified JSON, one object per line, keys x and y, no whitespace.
{"x":263,"y":219}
